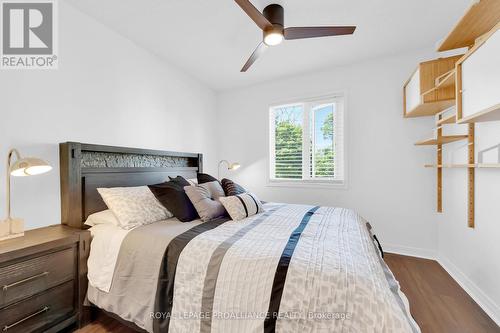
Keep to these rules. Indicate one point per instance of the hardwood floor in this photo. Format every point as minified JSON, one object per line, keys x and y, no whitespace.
{"x":104,"y":324}
{"x":437,"y":302}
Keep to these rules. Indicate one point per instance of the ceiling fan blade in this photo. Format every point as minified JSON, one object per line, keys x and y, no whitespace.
{"x":255,"y":55}
{"x":313,"y":32}
{"x":254,"y":14}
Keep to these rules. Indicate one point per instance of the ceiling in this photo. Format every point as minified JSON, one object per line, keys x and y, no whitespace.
{"x":211,"y":40}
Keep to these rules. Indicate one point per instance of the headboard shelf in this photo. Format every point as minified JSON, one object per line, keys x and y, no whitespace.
{"x":139,"y":169}
{"x":86,"y":167}
{"x":128,"y":150}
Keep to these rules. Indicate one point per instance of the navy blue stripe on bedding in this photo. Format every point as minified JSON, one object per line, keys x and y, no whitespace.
{"x":281,"y":272}
{"x":166,"y":279}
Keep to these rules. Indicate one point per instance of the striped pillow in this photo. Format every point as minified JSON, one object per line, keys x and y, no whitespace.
{"x":231,"y":188}
{"x":242,"y":206}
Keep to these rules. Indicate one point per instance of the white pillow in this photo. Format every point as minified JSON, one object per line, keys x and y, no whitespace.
{"x":134,"y":206}
{"x":242,"y":206}
{"x":104,"y":217}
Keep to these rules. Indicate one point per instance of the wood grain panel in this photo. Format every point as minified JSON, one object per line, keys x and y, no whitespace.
{"x":26,"y":278}
{"x":431,"y":70}
{"x":41,"y":311}
{"x":126,"y":177}
{"x":471,"y":175}
{"x":478,"y":20}
{"x":79,"y":197}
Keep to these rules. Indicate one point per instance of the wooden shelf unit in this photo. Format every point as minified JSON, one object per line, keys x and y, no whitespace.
{"x":479,"y":26}
{"x":451,"y":119}
{"x":430,"y":108}
{"x":478,"y":20}
{"x":446,"y":80}
{"x":477,"y":166}
{"x":441,"y":140}
{"x":488,"y":165}
{"x":489,"y":111}
{"x":490,"y":114}
{"x":421,"y":96}
{"x":449,"y":165}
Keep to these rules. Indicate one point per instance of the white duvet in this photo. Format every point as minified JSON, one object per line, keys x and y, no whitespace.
{"x":104,"y":249}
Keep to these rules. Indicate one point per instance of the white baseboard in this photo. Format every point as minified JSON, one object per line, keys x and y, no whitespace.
{"x":483,"y":300}
{"x":409,"y":251}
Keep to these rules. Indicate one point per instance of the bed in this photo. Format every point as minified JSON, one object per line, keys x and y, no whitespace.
{"x":291,"y":268}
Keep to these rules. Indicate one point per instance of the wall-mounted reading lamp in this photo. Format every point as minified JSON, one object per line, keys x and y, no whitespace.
{"x":230,"y":166}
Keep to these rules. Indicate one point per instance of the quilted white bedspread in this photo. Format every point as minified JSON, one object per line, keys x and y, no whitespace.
{"x":294,"y":268}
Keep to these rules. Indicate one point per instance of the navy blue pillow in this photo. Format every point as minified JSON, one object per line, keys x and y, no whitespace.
{"x":179,"y":180}
{"x":205,"y":178}
{"x":172,"y":196}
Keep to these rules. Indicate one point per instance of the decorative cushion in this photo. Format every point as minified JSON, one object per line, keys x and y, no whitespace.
{"x":231,"y":188}
{"x":205,"y":199}
{"x":104,"y":217}
{"x":179,"y":180}
{"x":171,"y":194}
{"x":134,"y":206}
{"x":205,"y":178}
{"x":242,"y":206}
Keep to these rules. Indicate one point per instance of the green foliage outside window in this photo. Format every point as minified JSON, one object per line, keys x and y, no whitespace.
{"x":288,"y":146}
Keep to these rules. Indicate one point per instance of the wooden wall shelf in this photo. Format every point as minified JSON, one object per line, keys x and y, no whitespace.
{"x":449,"y":165}
{"x":491,"y":114}
{"x":447,"y":80}
{"x":471,"y":82}
{"x":488,"y":165}
{"x":479,"y":19}
{"x":478,"y":80}
{"x":478,"y":166}
{"x":441,"y":140}
{"x":451,"y":119}
{"x":421,"y":96}
{"x":430,"y":109}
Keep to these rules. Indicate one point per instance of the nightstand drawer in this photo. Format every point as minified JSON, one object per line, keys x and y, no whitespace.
{"x":39,"y":311}
{"x":26,"y":278}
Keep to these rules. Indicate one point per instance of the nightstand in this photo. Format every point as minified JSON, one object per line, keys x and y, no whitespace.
{"x":43,"y":280}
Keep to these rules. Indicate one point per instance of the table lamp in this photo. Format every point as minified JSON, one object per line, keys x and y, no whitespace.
{"x":22,"y":167}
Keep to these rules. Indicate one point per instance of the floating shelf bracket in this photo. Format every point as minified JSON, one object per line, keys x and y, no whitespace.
{"x":471,"y":177}
{"x":439,"y":171}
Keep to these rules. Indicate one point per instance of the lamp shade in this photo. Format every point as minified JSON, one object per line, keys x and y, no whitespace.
{"x":234,"y":166}
{"x":29,"y":166}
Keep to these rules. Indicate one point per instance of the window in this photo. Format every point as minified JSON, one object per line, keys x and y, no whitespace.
{"x":307,"y":142}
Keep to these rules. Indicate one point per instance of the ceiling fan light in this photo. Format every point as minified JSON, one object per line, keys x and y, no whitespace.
{"x":273,"y":38}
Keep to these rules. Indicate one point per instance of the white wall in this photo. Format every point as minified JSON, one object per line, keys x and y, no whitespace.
{"x":106,"y":91}
{"x":387,"y":182}
{"x":472,"y":255}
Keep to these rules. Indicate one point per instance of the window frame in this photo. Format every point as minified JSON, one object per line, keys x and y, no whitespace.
{"x":340,"y":98}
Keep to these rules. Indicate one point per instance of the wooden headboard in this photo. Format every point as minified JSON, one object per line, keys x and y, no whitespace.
{"x":86,"y":167}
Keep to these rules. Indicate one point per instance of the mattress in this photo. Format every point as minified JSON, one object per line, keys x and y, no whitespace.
{"x":292,"y":268}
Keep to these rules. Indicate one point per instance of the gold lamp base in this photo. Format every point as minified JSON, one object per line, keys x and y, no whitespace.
{"x":11,"y":228}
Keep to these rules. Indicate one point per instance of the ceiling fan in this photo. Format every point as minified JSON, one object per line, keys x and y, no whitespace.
{"x":271,"y":21}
